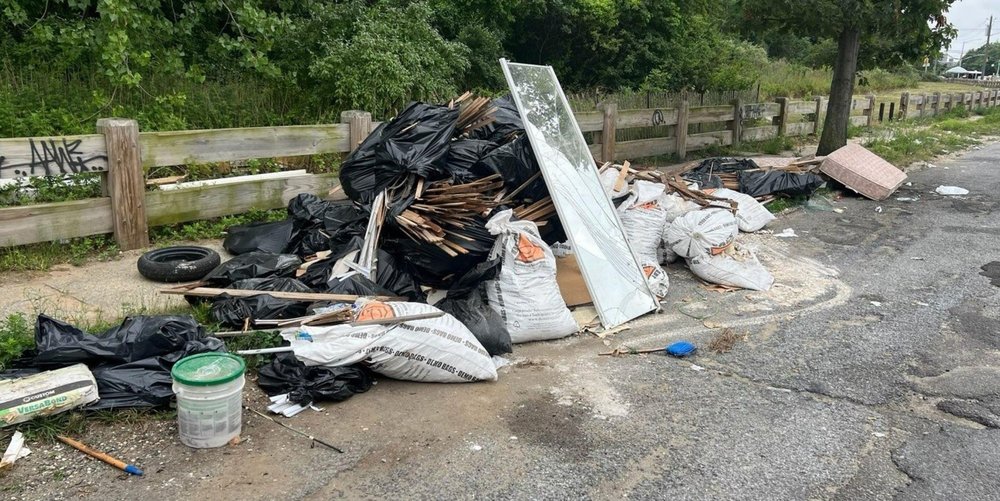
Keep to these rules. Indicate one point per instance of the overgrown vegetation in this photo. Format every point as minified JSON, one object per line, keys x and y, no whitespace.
{"x":903,"y":143}
{"x":16,"y":336}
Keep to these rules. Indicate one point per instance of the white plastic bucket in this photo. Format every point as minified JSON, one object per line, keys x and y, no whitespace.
{"x":209,"y":389}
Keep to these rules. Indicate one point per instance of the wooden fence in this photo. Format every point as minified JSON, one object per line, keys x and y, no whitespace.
{"x":122,"y":155}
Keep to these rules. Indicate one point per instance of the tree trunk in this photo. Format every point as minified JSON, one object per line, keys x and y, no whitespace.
{"x":838,"y":111}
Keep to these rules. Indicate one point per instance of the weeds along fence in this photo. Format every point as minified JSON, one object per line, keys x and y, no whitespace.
{"x":122,"y":156}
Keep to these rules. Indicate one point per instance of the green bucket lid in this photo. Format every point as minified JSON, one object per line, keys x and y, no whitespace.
{"x":207,"y":369}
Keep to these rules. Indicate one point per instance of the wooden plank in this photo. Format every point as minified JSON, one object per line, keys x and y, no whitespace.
{"x":295,"y":296}
{"x":590,"y":121}
{"x":126,"y":182}
{"x":646,"y":117}
{"x":782,"y":119}
{"x":645,"y":148}
{"x":359,"y":125}
{"x":709,"y":114}
{"x":800,"y":128}
{"x":760,"y":133}
{"x":224,"y":145}
{"x":801,"y":107}
{"x":681,"y":130}
{"x":56,"y":221}
{"x":608,"y":132}
{"x":819,"y":115}
{"x":52,"y":156}
{"x":707,"y":139}
{"x":859,"y":120}
{"x":204,"y":202}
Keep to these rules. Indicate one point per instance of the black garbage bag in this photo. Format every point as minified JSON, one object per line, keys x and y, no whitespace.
{"x":464,"y":157}
{"x":343,"y":221}
{"x":507,"y":121}
{"x":516,"y":162}
{"x":357,"y":285}
{"x":391,"y":278}
{"x":414,"y":142}
{"x":310,"y":242}
{"x":279,"y":284}
{"x":466,"y":301}
{"x":265,"y":237}
{"x":131,"y":362}
{"x":304,"y":385}
{"x":430,"y":265}
{"x":307,"y":209}
{"x":233,"y":311}
{"x":706,"y":174}
{"x":253,"y":265}
{"x":762,"y":183}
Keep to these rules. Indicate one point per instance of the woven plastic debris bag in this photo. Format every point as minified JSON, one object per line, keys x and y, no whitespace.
{"x":675,"y":206}
{"x":432,"y":350}
{"x":643,"y":218}
{"x":751,"y":215}
{"x":736,"y":267}
{"x":526,"y":293}
{"x":702,"y":232}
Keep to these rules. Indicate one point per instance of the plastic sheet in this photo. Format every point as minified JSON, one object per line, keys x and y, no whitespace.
{"x":776,"y":182}
{"x":516,"y":163}
{"x":265,"y":237}
{"x":253,"y":265}
{"x":131,"y":362}
{"x":466,"y":301}
{"x":233,"y":311}
{"x":464,"y":157}
{"x":506,"y":121}
{"x":304,"y":385}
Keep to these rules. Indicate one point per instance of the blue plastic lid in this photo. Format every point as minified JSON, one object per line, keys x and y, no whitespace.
{"x":681,"y":348}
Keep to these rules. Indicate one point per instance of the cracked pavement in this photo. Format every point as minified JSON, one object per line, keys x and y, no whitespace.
{"x":871,"y":371}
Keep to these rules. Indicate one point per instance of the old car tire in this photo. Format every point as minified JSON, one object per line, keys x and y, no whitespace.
{"x":182,"y":263}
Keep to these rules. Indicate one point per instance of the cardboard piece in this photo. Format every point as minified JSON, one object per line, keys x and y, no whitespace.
{"x":571,"y":285}
{"x":863,"y":171}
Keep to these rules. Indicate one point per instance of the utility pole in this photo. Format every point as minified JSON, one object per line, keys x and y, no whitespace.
{"x":986,"y":50}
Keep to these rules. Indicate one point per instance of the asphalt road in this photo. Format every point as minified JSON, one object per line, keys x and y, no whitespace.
{"x":871,"y":371}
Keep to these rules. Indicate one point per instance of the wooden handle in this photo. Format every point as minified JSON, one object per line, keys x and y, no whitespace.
{"x":92,"y":452}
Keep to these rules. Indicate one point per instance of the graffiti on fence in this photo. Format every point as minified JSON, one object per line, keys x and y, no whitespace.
{"x":753,"y":111}
{"x":657,"y":118}
{"x":50,"y":157}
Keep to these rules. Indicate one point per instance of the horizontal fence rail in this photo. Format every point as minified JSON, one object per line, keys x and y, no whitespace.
{"x":122,"y":155}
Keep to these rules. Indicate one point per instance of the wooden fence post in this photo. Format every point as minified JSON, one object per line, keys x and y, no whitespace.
{"x":681,"y":129}
{"x":937,"y":103}
{"x":126,"y":183}
{"x":904,"y":102}
{"x":819,"y":115}
{"x":360,"y":125}
{"x":737,"y":126}
{"x":923,"y":104}
{"x":870,"y":110}
{"x":608,"y":131}
{"x":781,"y":120}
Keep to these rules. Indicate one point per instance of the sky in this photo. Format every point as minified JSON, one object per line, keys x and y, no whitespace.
{"x":970,"y":17}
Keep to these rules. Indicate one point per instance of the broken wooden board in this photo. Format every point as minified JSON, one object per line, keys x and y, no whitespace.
{"x":863,"y":172}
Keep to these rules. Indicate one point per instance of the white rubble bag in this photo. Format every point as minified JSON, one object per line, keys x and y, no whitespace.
{"x":608,"y":180}
{"x":751,"y":215}
{"x":701,"y":232}
{"x":526,"y":293}
{"x":432,"y":350}
{"x":676,"y":206}
{"x":737,"y":267}
{"x":643,"y":218}
{"x":664,"y":254}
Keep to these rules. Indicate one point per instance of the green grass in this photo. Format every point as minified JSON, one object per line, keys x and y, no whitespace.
{"x":16,"y":336}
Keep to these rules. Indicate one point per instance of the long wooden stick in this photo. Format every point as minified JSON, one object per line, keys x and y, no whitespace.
{"x":295,"y":296}
{"x":94,"y":453}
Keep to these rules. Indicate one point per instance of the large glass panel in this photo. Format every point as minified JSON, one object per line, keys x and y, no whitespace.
{"x":610,"y":268}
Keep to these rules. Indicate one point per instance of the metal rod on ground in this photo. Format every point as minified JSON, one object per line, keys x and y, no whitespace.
{"x":265,"y":351}
{"x":94,"y":453}
{"x":300,"y":432}
{"x":240,"y":333}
